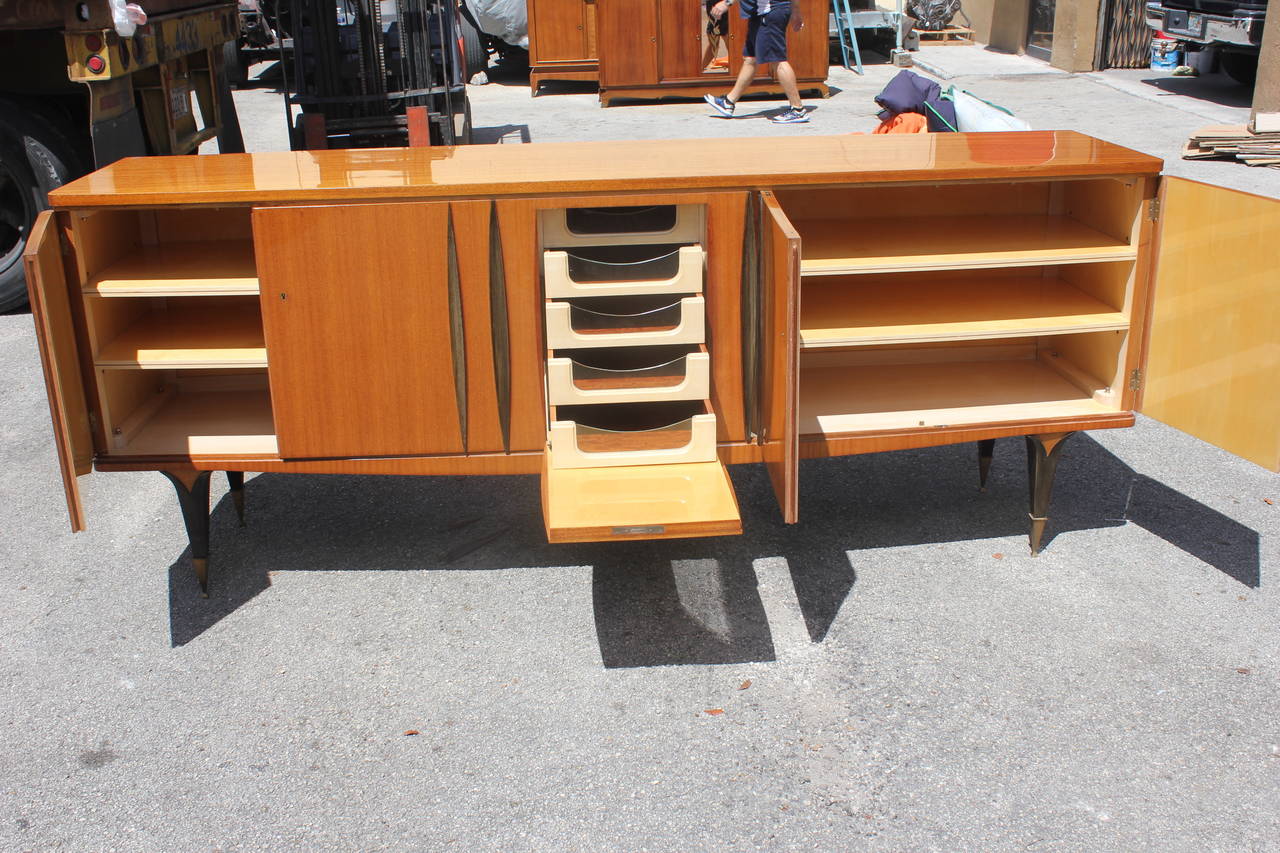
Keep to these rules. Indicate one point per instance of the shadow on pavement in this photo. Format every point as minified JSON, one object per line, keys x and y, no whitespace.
{"x":687,"y":601}
{"x":1214,"y":88}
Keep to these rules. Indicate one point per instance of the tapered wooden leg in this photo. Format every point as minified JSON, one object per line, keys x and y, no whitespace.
{"x":1042,"y":464}
{"x":235,"y":482}
{"x":193,"y":496}
{"x":986,"y":449}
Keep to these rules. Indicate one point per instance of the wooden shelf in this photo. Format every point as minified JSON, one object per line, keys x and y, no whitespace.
{"x":201,"y":268}
{"x":839,"y":246}
{"x":207,"y":423}
{"x":190,"y":337}
{"x":848,"y":312}
{"x":869,"y":398}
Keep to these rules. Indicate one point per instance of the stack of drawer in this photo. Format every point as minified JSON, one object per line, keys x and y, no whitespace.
{"x":628,"y":372}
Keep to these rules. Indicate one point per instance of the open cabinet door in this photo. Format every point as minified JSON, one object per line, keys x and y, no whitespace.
{"x":1213,"y":348}
{"x":51,"y":311}
{"x":779,"y":351}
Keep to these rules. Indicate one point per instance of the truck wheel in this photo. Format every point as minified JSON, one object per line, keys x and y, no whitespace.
{"x":35,"y":157}
{"x":1241,"y":67}
{"x":474,"y":56}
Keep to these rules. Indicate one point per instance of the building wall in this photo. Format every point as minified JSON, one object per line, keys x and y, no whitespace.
{"x":1266,"y":91}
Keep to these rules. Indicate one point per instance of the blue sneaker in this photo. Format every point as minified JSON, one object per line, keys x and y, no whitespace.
{"x":794,"y":115}
{"x":724,"y":106}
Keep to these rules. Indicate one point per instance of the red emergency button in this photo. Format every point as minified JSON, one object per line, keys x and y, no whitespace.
{"x":96,"y":64}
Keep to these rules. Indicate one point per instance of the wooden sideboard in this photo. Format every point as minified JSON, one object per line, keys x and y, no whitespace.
{"x":562,"y":41}
{"x":659,"y":48}
{"x":626,"y":319}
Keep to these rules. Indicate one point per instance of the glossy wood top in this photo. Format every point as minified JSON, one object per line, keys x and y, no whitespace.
{"x":589,"y":167}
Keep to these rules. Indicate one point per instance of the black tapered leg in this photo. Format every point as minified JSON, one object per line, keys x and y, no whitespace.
{"x":193,"y":496}
{"x":1043,"y":452}
{"x":986,"y":449}
{"x":235,"y":482}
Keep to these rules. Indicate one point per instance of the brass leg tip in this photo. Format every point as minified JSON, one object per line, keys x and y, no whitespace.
{"x":201,"y":565}
{"x":1037,"y":533}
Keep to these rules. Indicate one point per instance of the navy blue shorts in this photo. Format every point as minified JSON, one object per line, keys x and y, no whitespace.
{"x":767,"y":34}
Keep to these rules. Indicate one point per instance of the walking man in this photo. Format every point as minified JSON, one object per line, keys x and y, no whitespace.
{"x":766,"y":44}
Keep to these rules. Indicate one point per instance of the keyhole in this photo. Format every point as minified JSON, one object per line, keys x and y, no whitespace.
{"x":283,"y":297}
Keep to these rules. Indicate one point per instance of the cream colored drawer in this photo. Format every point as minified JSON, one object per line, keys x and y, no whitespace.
{"x":611,"y":226}
{"x":582,"y":440}
{"x":622,"y":271}
{"x":575,"y":327}
{"x":686,"y":377}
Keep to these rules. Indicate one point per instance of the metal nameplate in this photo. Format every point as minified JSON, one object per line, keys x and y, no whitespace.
{"x":641,"y":530}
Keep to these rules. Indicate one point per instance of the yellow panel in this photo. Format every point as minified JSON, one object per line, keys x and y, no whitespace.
{"x":1213,"y":363}
{"x":639,"y":502}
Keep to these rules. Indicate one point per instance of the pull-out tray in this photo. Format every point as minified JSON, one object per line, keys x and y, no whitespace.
{"x":632,"y":434}
{"x":640,"y":502}
{"x":576,"y":327}
{"x":682,"y":377}
{"x":623,"y":271}
{"x":612,"y":226}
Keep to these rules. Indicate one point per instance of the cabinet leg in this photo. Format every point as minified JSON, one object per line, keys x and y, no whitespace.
{"x":1042,"y":463}
{"x":235,"y":482}
{"x":986,"y":449}
{"x":193,"y":496}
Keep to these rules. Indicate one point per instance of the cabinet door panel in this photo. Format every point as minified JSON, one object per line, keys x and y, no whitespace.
{"x":1213,"y":351}
{"x":51,"y":311}
{"x":628,"y":35}
{"x":557,"y":30}
{"x":779,"y":353}
{"x":363,"y":329}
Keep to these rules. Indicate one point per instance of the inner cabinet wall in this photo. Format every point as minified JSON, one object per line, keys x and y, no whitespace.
{"x":943,"y":306}
{"x":169,"y":307}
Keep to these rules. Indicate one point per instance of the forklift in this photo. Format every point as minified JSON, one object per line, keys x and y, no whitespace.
{"x":375,"y":73}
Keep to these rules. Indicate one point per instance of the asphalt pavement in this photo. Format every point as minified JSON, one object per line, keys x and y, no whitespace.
{"x":404,"y":663}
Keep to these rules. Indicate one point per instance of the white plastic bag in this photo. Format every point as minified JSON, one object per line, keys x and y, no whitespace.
{"x":975,"y":114}
{"x":506,"y":19}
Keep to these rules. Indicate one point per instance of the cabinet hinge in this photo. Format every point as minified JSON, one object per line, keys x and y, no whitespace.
{"x":1153,"y":209}
{"x":1135,"y":379}
{"x":93,"y":422}
{"x":64,"y":244}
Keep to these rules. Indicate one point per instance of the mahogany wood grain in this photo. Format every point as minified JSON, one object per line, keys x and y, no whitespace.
{"x":780,"y":341}
{"x":471,"y":234}
{"x":355,"y":307}
{"x":596,"y":167}
{"x":726,"y":220}
{"x":627,"y":38}
{"x":47,"y":289}
{"x":479,"y":464}
{"x":517,"y":221}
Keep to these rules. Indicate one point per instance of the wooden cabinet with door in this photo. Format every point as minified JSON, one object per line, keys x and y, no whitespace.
{"x":562,"y":41}
{"x":625,"y":320}
{"x":658,"y":48}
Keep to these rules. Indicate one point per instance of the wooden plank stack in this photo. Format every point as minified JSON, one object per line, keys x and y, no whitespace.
{"x":1234,"y":142}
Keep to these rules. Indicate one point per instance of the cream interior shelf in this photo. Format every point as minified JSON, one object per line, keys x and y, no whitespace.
{"x":838,"y":246}
{"x":206,"y":423}
{"x":866,"y":398}
{"x":838,"y":312}
{"x":191,"y":336}
{"x":198,"y":268}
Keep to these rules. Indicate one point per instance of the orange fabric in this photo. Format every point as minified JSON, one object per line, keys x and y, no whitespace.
{"x":904,"y":123}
